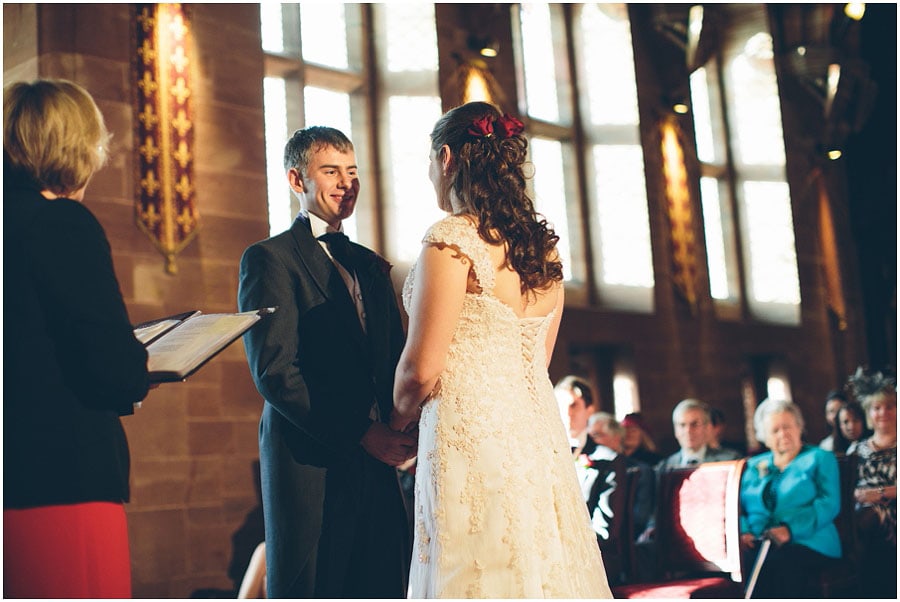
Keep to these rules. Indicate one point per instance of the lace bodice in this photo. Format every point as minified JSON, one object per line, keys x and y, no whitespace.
{"x":473,"y":340}
{"x":499,"y":511}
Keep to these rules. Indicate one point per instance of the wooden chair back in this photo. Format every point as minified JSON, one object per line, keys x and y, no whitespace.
{"x":632,"y":478}
{"x":846,"y":518}
{"x":842,"y":580}
{"x":697,"y":525}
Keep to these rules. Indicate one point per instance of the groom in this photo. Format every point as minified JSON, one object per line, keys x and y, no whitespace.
{"x":324,"y":362}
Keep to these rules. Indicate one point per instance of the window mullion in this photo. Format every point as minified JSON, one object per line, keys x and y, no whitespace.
{"x":576,"y":134}
{"x":546,"y":129}
{"x":282,"y":66}
{"x":333,"y":79}
{"x":375,"y":108}
{"x":730,"y":177}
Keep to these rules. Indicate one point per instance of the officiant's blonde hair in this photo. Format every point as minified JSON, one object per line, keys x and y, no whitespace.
{"x":53,"y":134}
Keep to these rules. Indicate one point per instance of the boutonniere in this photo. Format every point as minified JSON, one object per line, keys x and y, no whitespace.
{"x":585,"y":461}
{"x":763,"y":469}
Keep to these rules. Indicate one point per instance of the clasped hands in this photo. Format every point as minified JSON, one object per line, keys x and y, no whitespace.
{"x":874,"y":495}
{"x":397,"y":442}
{"x":388,"y":445}
{"x":406,"y":423}
{"x":778,"y":535}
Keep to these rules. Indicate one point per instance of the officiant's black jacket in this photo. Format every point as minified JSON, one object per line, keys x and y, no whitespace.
{"x":319,"y":374}
{"x":71,"y":364}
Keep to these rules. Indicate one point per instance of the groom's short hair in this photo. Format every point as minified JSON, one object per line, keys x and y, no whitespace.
{"x":303,"y":143}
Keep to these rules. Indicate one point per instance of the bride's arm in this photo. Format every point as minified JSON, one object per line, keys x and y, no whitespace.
{"x":554,"y":326}
{"x":435,"y":305}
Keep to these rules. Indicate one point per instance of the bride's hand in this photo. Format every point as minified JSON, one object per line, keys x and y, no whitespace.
{"x":404,"y":424}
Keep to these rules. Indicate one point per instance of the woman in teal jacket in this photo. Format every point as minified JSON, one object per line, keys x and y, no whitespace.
{"x":791,"y":496}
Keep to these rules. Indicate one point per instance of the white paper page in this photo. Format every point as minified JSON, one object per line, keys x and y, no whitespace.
{"x":195,"y":340}
{"x":149,"y":332}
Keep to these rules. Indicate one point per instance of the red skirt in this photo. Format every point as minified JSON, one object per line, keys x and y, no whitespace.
{"x":68,"y":551}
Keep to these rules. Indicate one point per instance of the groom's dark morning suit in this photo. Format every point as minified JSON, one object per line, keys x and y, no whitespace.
{"x":334,"y":516}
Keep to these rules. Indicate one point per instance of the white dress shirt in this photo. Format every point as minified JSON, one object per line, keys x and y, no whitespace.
{"x":578,"y":442}
{"x":688,"y":455}
{"x":320,"y":227}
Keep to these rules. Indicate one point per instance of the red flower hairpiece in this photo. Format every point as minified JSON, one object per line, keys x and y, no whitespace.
{"x":507,"y":126}
{"x":482,"y":127}
{"x":504,"y":126}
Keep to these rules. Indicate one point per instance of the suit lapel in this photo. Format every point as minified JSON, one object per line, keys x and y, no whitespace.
{"x":325,"y":276}
{"x":374,"y":306}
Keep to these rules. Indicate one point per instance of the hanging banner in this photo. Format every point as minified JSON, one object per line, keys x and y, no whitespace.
{"x":164,"y":133}
{"x":680,"y":213}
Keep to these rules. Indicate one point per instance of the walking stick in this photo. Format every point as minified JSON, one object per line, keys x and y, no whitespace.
{"x":757,"y":566}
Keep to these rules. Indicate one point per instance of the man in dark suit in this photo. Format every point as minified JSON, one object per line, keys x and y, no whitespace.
{"x":693,"y":430}
{"x":576,"y":404}
{"x":602,"y":475}
{"x":324,"y":362}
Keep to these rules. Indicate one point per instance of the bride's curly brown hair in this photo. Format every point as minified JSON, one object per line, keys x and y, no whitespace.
{"x":488,"y":178}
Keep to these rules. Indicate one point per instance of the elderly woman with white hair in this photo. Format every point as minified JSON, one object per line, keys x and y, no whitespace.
{"x":791,"y":496}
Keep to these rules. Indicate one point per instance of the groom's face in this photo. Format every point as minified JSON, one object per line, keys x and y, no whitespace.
{"x":330,"y":186}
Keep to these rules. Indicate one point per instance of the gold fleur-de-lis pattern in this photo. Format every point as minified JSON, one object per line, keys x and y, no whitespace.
{"x":165,"y":207}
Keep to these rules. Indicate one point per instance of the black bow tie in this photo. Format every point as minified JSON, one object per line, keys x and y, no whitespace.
{"x":340,"y":249}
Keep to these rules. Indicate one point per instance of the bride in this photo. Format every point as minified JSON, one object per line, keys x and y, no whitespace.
{"x":498,"y":509}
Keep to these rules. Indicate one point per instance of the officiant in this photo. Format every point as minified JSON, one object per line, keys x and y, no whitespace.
{"x":71,"y":363}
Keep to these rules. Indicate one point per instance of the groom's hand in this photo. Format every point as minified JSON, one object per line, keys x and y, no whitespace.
{"x":388,"y":446}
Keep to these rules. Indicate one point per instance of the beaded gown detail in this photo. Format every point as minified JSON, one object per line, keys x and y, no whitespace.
{"x":498,"y":508}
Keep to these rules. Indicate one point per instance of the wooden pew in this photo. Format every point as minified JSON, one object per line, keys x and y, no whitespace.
{"x":697,"y":534}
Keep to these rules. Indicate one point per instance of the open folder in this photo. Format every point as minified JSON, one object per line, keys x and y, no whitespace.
{"x":181,"y":344}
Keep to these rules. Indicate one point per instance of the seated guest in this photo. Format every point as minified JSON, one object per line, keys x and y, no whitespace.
{"x":602,"y":477}
{"x":717,"y":430}
{"x":849,"y":427}
{"x":791,"y":496}
{"x":637,"y":442}
{"x":576,"y":404}
{"x":606,"y":431}
{"x":693,"y":427}
{"x":876,"y":487}
{"x":833,"y":402}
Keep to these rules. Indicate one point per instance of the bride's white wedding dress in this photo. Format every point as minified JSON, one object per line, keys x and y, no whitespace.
{"x":498,"y":508}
